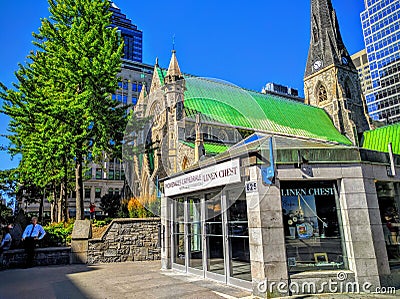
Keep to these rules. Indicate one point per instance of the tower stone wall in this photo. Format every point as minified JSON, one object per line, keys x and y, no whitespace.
{"x":331,"y":80}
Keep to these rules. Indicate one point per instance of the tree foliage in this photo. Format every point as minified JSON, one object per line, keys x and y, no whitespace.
{"x":62,"y":112}
{"x":111,"y":204}
{"x":8,"y":183}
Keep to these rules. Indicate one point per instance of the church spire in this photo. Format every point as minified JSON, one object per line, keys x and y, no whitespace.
{"x":331,"y":80}
{"x":174,"y":72}
{"x":326,"y":45}
{"x":143,"y":92}
{"x":140,"y":106}
{"x":156,"y":80}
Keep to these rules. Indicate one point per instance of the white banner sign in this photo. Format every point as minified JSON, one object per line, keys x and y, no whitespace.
{"x":212,"y":176}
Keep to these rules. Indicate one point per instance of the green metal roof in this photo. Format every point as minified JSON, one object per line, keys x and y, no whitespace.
{"x":227,"y":104}
{"x":378,"y":139}
{"x":161,"y":74}
{"x":211,"y":148}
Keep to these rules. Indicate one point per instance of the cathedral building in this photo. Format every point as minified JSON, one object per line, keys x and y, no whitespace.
{"x":256,"y":189}
{"x":260,"y":191}
{"x":194,"y":118}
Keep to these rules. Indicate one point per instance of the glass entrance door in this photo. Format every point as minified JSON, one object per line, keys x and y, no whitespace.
{"x":238,"y":239}
{"x":178,"y":234}
{"x":195,"y":236}
{"x":210,"y":236}
{"x":214,"y":237}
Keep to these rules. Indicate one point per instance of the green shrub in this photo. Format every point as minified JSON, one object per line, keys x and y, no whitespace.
{"x":101,"y":223}
{"x":58,"y":233}
{"x":136,"y":207}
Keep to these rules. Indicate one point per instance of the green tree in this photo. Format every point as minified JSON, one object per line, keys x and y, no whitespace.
{"x":111,"y":204}
{"x":8,"y":184}
{"x":35,"y":134}
{"x":65,"y":92}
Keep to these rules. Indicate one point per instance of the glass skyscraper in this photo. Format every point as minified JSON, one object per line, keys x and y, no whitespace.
{"x":134,"y":74}
{"x":381,"y":28}
{"x":129,"y":32}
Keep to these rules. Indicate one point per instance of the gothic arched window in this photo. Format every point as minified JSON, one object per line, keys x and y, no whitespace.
{"x":322,"y":94}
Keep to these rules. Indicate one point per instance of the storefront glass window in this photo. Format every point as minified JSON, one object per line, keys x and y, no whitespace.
{"x":312,"y":223}
{"x":238,"y":235}
{"x":179,"y":232}
{"x":389,"y":206}
{"x":214,"y":234}
{"x":195,"y":234}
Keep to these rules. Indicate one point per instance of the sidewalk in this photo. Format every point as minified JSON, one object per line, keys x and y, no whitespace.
{"x":123,"y":280}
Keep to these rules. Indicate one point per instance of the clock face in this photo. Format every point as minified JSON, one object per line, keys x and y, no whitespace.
{"x":317,"y":64}
{"x":345,"y":61}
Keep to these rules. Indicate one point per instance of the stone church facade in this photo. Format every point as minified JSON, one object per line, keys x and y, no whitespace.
{"x":259,"y":191}
{"x":331,"y":80}
{"x":181,"y":136}
{"x":192,"y":119}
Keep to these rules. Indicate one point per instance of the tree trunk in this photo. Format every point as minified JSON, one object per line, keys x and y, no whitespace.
{"x":60,"y":204}
{"x":65,"y":202}
{"x":80,"y":215}
{"x":64,"y":191}
{"x":53,"y":207}
{"x":53,"y":212}
{"x":41,"y":205}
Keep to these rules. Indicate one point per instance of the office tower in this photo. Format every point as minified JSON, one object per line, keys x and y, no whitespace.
{"x":381,"y":28}
{"x":129,"y":32}
{"x":360,"y":61}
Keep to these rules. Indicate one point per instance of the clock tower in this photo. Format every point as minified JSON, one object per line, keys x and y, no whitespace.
{"x":331,"y":80}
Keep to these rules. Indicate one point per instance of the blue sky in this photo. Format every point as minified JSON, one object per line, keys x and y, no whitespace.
{"x":246,"y":43}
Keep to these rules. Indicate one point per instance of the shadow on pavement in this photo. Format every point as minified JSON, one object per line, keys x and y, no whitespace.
{"x":42,"y":282}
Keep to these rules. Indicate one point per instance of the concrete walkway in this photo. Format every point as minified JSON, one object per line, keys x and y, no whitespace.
{"x":121,"y":280}
{"x":124,"y":280}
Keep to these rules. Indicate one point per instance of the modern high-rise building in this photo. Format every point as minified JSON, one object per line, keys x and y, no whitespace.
{"x":131,"y":79}
{"x":381,"y":28}
{"x":132,"y":36}
{"x":360,"y":61}
{"x":134,"y":74}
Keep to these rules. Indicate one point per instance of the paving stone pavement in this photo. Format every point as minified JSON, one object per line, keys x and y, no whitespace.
{"x":120,"y":280}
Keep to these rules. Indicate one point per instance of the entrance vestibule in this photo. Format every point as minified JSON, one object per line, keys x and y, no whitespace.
{"x":210,"y":235}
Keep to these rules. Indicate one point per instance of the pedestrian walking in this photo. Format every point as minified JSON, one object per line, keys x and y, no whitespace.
{"x":92,"y":210}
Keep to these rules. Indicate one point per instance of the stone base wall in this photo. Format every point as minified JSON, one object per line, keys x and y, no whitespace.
{"x":43,"y":257}
{"x":126,"y":240}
